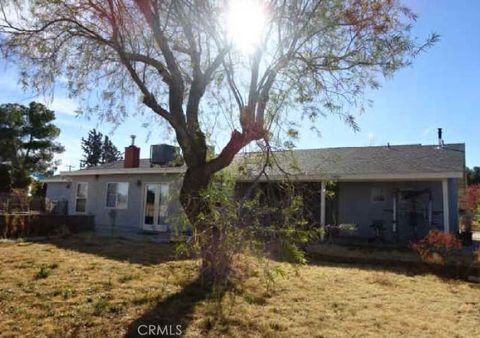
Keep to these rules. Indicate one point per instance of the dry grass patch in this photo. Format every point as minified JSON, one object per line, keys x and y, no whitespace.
{"x":103,"y":288}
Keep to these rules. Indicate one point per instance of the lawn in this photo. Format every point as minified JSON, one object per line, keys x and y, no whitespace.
{"x":85,"y":286}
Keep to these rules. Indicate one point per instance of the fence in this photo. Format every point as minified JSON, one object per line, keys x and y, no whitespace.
{"x":25,"y":216}
{"x":28,"y":225}
{"x":21,"y":203}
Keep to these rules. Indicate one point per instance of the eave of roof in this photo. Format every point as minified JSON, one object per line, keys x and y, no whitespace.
{"x":120,"y":171}
{"x":359,"y":178}
{"x":55,"y":179}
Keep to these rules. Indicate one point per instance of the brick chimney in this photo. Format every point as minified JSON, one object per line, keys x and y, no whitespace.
{"x":132,"y":155}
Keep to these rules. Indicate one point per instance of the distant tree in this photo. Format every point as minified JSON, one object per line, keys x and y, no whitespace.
{"x":5,"y":180}
{"x":27,"y":141}
{"x":38,"y":189}
{"x":92,"y":148}
{"x":98,"y":149}
{"x":473,"y":176}
{"x":110,"y":153}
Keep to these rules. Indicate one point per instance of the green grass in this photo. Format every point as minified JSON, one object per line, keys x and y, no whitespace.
{"x":106,"y":288}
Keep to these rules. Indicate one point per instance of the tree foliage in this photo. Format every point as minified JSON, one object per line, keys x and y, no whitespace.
{"x":5,"y":179}
{"x":110,"y":153}
{"x":92,"y":148}
{"x":473,"y":176}
{"x":98,"y":149}
{"x":27,"y":141}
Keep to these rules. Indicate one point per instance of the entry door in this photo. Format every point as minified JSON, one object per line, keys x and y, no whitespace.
{"x":155,"y":207}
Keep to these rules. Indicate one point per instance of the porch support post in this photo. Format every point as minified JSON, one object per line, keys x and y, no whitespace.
{"x":394,"y":222}
{"x":446,"y":206}
{"x":322,"y":207}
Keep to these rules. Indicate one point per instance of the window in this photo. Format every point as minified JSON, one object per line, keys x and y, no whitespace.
{"x":117,"y":195}
{"x":81,"y":197}
{"x":378,"y":195}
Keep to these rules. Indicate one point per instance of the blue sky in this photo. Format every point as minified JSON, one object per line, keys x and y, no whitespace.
{"x":440,"y":90}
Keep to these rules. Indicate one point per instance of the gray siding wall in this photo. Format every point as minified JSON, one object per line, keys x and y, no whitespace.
{"x":131,"y":217}
{"x":58,"y":191}
{"x":355,"y":206}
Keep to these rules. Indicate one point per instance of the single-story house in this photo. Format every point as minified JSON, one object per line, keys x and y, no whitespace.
{"x":401,"y":191}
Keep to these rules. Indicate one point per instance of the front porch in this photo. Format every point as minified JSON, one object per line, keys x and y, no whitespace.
{"x":379,"y":210}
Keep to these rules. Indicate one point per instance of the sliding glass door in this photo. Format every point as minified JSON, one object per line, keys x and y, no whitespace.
{"x":155,"y":207}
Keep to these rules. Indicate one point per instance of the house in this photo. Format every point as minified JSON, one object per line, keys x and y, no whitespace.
{"x":398,"y":192}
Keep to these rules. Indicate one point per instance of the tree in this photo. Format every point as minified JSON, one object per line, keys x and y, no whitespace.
{"x":473,"y":176}
{"x":262,"y":64}
{"x":38,"y":189}
{"x":98,"y":149}
{"x":27,"y":141}
{"x":5,"y":180}
{"x":92,"y":148}
{"x":110,"y":153}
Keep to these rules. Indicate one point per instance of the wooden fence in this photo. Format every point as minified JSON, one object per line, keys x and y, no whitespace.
{"x":31,"y":225}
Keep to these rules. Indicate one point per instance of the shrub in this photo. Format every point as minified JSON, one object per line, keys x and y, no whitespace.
{"x":438,"y":247}
{"x":470,"y":204}
{"x":99,"y":306}
{"x":44,"y":272}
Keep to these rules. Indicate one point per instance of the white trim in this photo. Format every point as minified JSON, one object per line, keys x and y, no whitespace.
{"x":76,"y":198}
{"x":446,"y":207}
{"x":55,"y":180}
{"x":366,"y":177}
{"x":118,"y":171}
{"x":158,"y":192}
{"x":106,"y":195}
{"x":322,"y":207}
{"x":394,"y":218}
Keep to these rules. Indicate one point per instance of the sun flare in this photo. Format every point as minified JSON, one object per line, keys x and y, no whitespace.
{"x":245,"y":22}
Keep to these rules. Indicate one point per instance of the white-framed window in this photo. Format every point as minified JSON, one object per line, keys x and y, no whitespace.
{"x":81,"y":197}
{"x":378,"y":195}
{"x":117,"y":195}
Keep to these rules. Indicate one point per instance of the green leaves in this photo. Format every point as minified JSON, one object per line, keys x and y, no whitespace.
{"x":27,"y":137}
{"x":98,"y":149}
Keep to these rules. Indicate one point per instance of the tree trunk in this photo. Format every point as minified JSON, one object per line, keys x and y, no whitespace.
{"x":195,"y":182}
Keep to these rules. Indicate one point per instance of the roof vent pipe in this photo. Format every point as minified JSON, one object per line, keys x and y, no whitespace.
{"x":440,"y":139}
{"x":133,"y":139}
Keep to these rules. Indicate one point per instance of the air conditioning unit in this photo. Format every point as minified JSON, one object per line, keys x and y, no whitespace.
{"x":165,"y":154}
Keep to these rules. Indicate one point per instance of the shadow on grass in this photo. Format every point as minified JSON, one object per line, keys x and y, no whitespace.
{"x":145,"y":253}
{"x":176,"y":311}
{"x":411,"y":269}
{"x":379,"y":259}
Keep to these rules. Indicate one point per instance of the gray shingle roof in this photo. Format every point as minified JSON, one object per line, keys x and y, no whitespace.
{"x":357,"y":161}
{"x":339,"y":162}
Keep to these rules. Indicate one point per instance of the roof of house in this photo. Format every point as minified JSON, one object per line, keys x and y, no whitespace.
{"x":349,"y":163}
{"x":376,"y":162}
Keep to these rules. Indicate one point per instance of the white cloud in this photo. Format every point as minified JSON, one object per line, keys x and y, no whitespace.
{"x":72,"y":154}
{"x":61,"y":105}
